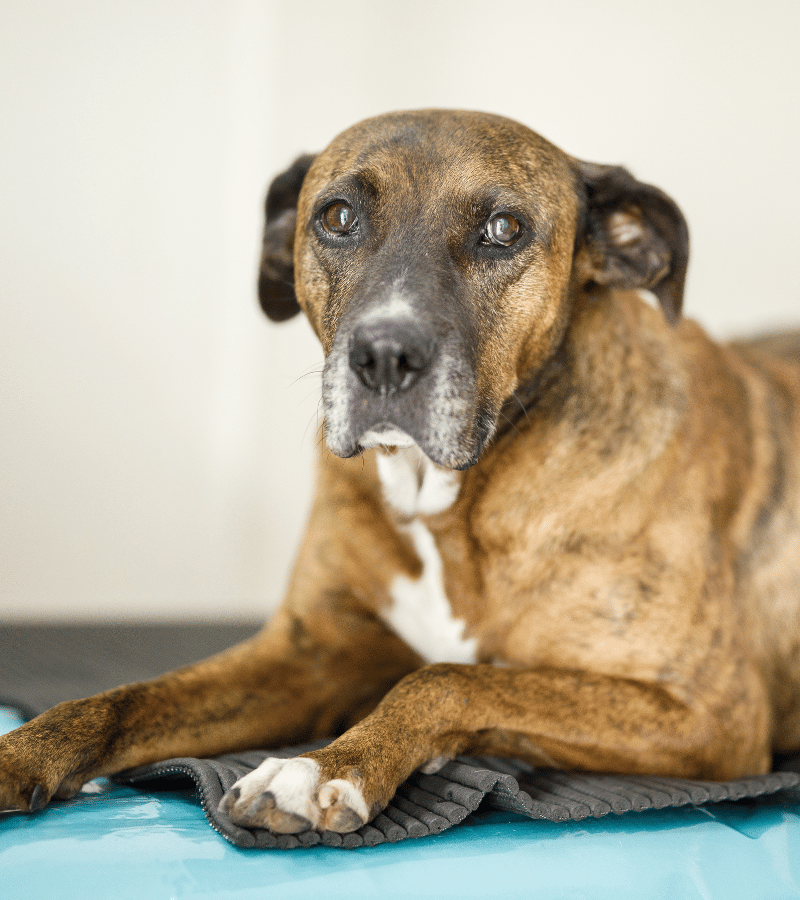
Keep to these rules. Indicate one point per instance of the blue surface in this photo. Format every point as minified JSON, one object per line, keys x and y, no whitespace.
{"x":118,"y":842}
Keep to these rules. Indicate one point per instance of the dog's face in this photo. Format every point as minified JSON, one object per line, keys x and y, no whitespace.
{"x":438,"y":256}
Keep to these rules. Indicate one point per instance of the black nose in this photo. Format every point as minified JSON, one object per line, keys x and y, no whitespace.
{"x":389,"y":356}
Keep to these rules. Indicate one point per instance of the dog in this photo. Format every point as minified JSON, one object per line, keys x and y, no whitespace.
{"x":554,"y":520}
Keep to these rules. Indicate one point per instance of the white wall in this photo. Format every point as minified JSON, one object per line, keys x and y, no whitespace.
{"x":157,"y":434}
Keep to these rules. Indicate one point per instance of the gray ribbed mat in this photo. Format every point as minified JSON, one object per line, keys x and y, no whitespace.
{"x":429,"y":804}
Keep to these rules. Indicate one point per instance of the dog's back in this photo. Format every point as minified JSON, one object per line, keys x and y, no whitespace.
{"x":770,"y":566}
{"x":783,"y":345}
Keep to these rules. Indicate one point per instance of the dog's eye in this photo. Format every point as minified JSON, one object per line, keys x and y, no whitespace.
{"x":339,"y":218}
{"x":502,"y":229}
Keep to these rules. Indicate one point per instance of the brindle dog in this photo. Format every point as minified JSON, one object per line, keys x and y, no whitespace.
{"x":554,"y":521}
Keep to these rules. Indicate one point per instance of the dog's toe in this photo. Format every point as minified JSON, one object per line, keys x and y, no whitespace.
{"x":287,"y":796}
{"x":229,"y":799}
{"x":342,"y":804}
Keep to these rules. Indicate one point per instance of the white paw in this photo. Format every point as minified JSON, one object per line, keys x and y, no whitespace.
{"x":285,"y":795}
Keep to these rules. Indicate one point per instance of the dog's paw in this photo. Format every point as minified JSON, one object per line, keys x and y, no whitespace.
{"x":289,"y":795}
{"x":32,"y":771}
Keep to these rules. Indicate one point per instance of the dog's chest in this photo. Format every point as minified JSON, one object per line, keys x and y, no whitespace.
{"x":420,"y":612}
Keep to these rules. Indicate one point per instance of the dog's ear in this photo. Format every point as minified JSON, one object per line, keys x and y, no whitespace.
{"x":276,"y":276}
{"x":633,"y":236}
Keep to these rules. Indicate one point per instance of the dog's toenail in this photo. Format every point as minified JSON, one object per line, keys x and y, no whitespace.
{"x":266,"y":801}
{"x":37,"y":800}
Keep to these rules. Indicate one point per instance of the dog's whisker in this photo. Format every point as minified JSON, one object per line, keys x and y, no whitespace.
{"x":316,"y":368}
{"x":312,"y":393}
{"x":521,"y":404}
{"x":313,"y":420}
{"x":512,"y":424}
{"x":304,"y":376}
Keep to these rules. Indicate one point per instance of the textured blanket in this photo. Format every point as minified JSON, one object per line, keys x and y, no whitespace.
{"x":429,"y":804}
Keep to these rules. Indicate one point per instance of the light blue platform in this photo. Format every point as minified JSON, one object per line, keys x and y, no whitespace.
{"x":122,"y":843}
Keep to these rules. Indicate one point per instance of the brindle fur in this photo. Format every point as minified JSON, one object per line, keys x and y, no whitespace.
{"x":625,"y":543}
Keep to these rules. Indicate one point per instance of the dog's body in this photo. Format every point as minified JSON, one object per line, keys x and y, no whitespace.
{"x":557,"y":523}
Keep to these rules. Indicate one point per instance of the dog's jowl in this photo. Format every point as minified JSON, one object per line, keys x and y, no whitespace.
{"x":554,"y":520}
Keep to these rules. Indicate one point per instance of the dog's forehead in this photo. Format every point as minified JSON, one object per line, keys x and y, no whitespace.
{"x":418,"y":150}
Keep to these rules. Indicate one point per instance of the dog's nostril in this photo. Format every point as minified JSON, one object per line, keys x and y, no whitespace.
{"x":405,"y":366}
{"x":362,"y":358}
{"x":413,"y":360}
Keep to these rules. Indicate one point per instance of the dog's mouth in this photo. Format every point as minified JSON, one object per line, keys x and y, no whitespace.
{"x":399,"y":378}
{"x":439,"y":416}
{"x":385,"y":434}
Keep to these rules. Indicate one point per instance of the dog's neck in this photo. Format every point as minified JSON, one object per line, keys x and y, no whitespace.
{"x":600,"y":362}
{"x":521,"y":404}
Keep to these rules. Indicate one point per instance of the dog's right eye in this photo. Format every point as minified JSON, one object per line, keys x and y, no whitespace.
{"x":502,"y":230}
{"x":339,"y":218}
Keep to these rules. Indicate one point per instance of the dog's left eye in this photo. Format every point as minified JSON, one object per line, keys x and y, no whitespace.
{"x":339,"y":218}
{"x":502,"y":229}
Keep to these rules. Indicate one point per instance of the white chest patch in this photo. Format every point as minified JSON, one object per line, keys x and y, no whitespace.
{"x":413,"y":485}
{"x":420,"y":612}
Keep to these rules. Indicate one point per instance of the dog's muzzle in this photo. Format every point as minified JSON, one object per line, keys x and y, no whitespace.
{"x":402,"y":378}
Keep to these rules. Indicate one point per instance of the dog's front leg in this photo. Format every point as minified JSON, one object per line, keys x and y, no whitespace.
{"x":285,"y":685}
{"x":549,"y":717}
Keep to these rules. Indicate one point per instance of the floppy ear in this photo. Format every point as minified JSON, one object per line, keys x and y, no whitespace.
{"x":634,"y":236}
{"x":276,"y":276}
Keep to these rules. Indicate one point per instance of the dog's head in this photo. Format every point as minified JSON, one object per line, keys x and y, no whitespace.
{"x":438,"y":256}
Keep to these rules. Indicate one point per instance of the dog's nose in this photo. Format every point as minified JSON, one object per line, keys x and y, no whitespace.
{"x":389,"y":356}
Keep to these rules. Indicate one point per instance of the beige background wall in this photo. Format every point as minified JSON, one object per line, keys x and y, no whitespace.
{"x":156,"y":434}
